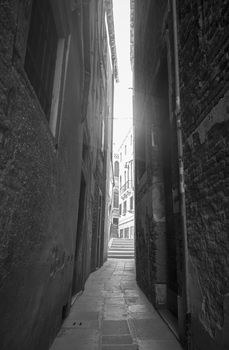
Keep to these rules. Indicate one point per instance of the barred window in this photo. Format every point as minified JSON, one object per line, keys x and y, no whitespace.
{"x":41,"y":52}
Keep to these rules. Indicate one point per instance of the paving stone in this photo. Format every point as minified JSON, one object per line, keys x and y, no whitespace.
{"x":81,"y":324}
{"x":111,"y":327}
{"x":113,"y":294}
{"x":77,"y":339}
{"x":114,"y":319}
{"x":131,"y":292}
{"x":134,"y":300}
{"x":92,"y":315}
{"x":139,"y":308}
{"x":114,"y":300}
{"x":117,"y":339}
{"x":128,"y":285}
{"x":120,"y":347}
{"x":140,"y":315}
{"x":159,"y":345}
{"x":109,"y":315}
{"x":151,"y":329}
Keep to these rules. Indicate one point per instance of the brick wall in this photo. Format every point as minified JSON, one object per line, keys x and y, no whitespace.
{"x":204,"y":69}
{"x":204,"y":47}
{"x":40,"y":187}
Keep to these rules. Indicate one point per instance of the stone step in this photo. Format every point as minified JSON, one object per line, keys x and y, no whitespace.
{"x":121,"y":249}
{"x":120,"y":240}
{"x":122,"y":245}
{"x":121,"y":256}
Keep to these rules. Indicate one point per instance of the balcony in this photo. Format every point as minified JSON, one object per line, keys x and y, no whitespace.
{"x":127,"y":186}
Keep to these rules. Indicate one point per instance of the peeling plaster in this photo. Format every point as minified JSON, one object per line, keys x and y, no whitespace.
{"x":219,"y":114}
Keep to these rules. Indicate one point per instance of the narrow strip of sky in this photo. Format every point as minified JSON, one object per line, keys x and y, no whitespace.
{"x":123,"y":91}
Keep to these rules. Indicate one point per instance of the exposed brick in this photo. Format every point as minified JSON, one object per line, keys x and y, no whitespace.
{"x":204,"y":72}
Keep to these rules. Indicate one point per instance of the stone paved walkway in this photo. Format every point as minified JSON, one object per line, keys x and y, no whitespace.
{"x":113,"y":314}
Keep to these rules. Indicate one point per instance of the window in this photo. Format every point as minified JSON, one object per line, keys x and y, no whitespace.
{"x":40,"y":59}
{"x":116,"y":168}
{"x":121,"y":233}
{"x":124,"y":208}
{"x":120,"y":181}
{"x":131,"y":203}
{"x":131,"y":172}
{"x":115,"y":221}
{"x":125,"y":149}
{"x":46,"y":58}
{"x":116,"y":199}
{"x":120,"y":157}
{"x":120,"y":209}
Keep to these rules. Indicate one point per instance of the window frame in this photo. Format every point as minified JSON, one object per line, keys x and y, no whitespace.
{"x":40,"y":55}
{"x":116,"y":168}
{"x":116,"y":199}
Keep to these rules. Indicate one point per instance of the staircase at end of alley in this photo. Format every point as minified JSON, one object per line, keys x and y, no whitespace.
{"x":120,"y":248}
{"x":113,"y":314}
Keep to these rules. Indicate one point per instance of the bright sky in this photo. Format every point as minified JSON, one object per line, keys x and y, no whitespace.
{"x":123,"y":92}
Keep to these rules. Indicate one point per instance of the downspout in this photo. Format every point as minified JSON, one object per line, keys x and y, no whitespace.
{"x":181,"y":178}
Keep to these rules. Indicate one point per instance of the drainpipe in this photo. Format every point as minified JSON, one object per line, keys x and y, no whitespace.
{"x":181,"y":179}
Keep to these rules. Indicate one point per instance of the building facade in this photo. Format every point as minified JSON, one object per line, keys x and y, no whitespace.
{"x":182,"y":132}
{"x":57,"y":64}
{"x":126,"y":187}
{"x":115,"y":201}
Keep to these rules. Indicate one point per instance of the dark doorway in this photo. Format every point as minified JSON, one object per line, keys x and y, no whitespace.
{"x":97,"y":241}
{"x":162,"y":87}
{"x":98,"y":260}
{"x":78,"y":274}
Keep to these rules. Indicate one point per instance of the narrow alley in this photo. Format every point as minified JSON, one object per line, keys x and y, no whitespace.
{"x":113,"y":314}
{"x":114,"y":134}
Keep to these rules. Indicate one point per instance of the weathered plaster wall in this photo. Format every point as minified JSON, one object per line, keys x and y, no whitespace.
{"x":150,"y":212}
{"x":108,"y":152}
